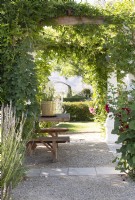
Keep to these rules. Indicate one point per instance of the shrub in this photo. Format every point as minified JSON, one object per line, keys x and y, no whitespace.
{"x":79,"y":111}
{"x":86,"y":93}
{"x":124,"y":127}
{"x":74,"y":99}
{"x":13,"y":150}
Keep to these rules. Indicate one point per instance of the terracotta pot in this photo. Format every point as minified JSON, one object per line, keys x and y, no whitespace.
{"x":48,"y":108}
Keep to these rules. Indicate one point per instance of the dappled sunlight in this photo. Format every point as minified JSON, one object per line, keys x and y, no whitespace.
{"x":77,"y":154}
{"x":81,"y":126}
{"x":85,"y":137}
{"x":85,"y":149}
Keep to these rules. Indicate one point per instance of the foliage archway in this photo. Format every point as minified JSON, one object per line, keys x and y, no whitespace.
{"x":22,"y":23}
{"x":100,"y":49}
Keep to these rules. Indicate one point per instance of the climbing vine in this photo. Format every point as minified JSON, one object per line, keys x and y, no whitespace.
{"x":91,"y":50}
{"x":30,"y":49}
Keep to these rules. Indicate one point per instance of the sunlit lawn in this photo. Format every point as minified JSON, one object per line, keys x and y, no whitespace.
{"x":81,"y":126}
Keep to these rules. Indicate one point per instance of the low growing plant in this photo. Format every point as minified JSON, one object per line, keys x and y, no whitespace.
{"x":13,"y":150}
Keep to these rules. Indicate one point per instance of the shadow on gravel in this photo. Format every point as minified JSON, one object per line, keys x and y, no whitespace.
{"x":77,"y":154}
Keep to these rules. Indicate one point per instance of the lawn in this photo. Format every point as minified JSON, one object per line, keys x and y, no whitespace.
{"x":80,"y":126}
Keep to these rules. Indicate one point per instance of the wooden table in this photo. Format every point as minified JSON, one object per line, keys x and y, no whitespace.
{"x":52,"y":141}
{"x":58,"y":118}
{"x":55,"y":138}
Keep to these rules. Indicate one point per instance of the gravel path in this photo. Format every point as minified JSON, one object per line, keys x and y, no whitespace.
{"x":85,"y":150}
{"x":76,"y":188}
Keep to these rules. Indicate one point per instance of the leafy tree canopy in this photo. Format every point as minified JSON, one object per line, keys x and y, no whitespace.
{"x":88,"y":50}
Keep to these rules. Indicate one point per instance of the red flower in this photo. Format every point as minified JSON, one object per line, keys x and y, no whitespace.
{"x":121,"y":129}
{"x":127,"y":109}
{"x":107,"y":108}
{"x":127,"y":126}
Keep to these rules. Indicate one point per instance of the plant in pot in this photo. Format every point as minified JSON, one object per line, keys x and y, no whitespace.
{"x":48,"y":105}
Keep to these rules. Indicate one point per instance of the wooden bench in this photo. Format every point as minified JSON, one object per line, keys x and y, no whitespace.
{"x":52,"y":130}
{"x":51,"y":142}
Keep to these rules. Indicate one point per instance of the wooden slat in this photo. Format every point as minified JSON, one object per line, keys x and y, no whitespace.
{"x":50,"y":139}
{"x":48,"y":146}
{"x":50,"y":142}
{"x":52,"y":130}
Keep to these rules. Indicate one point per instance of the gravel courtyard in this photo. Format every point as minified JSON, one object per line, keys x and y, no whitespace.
{"x":104,"y":187}
{"x":86,"y":151}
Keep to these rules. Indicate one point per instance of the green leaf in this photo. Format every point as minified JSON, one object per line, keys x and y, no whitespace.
{"x":132,"y":106}
{"x":132,"y":125}
{"x":133,"y":159}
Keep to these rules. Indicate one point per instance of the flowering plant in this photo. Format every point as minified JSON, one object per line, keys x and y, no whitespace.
{"x":107,"y":108}
{"x":92,"y":110}
{"x":124,"y":126}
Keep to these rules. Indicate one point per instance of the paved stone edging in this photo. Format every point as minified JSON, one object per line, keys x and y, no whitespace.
{"x":39,"y":172}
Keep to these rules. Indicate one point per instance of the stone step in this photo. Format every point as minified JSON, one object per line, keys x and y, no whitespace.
{"x":34,"y":172}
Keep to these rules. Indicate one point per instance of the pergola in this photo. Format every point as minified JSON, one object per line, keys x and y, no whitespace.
{"x":112,"y":78}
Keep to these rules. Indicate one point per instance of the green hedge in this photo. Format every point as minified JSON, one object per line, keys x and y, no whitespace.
{"x":79,"y":111}
{"x":74,"y":99}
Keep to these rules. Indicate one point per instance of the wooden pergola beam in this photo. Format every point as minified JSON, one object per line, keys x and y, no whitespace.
{"x":72,"y":20}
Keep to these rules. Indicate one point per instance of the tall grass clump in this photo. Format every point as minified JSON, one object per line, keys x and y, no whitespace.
{"x":13,"y":150}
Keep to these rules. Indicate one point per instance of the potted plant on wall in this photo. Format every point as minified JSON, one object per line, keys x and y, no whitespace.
{"x":48,"y":105}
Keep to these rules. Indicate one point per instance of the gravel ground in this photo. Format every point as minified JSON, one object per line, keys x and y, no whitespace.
{"x":76,"y":188}
{"x":84,"y":150}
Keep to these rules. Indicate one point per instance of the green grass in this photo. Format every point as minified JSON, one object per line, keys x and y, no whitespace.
{"x":80,"y":126}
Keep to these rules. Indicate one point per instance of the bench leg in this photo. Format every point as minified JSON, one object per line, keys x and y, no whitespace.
{"x":54,"y":151}
{"x":30,"y":147}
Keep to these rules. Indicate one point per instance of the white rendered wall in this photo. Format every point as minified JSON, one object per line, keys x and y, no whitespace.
{"x":128,"y":80}
{"x":112,"y":81}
